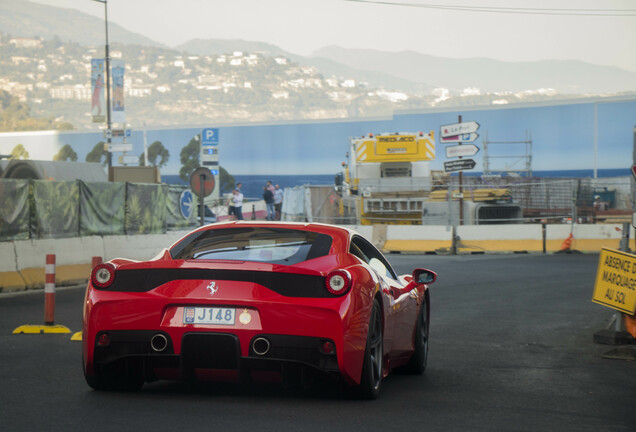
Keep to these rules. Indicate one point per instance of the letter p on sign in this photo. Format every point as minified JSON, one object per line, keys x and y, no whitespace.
{"x":210,"y":136}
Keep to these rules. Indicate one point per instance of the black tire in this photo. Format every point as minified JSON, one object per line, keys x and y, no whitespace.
{"x":372,"y":366}
{"x":417,"y":364}
{"x":129,"y":380}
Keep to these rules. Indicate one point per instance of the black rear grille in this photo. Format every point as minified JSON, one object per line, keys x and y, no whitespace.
{"x":210,"y":351}
{"x":286,"y":284}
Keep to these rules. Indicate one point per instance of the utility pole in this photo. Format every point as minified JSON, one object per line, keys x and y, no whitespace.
{"x":108,"y":120}
{"x":461,"y":186}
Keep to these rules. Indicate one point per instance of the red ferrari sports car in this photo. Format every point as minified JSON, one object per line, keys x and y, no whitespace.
{"x":255,"y":300}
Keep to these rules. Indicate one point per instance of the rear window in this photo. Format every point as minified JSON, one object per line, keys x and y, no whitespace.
{"x":262,"y":244}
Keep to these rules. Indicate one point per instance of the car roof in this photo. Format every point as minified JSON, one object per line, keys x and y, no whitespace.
{"x":340,"y":234}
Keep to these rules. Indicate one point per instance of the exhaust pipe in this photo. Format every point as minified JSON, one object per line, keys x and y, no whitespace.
{"x":261,"y":346}
{"x":159,"y":342}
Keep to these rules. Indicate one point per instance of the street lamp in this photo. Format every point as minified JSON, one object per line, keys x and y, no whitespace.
{"x":107,"y":60}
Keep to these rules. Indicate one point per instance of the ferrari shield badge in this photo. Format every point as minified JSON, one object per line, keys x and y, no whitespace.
{"x":245,"y":318}
{"x":212,"y":288}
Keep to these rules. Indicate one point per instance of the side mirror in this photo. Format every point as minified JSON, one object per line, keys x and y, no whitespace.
{"x":423,"y":276}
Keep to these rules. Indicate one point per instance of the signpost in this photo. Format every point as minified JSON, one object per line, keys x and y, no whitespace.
{"x":120,"y":147}
{"x":469,"y":137}
{"x":129,"y":160}
{"x":458,"y":128}
{"x":461,"y":150}
{"x":202,"y":183}
{"x":615,"y":285}
{"x":209,"y":136}
{"x":459,"y":165}
{"x":186,"y":201}
{"x":117,"y":133}
{"x":459,"y":132}
{"x":209,"y":153}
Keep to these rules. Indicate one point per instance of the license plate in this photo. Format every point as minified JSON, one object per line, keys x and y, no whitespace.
{"x":209,"y":315}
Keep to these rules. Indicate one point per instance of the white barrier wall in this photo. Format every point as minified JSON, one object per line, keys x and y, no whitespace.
{"x":22,"y":262}
{"x":418,"y":238}
{"x":499,"y":238}
{"x":140,"y":247}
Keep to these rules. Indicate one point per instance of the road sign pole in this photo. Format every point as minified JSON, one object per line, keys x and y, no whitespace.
{"x":201,"y":203}
{"x":461,"y":188}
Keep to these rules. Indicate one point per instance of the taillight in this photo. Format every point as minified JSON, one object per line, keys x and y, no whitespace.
{"x":327,"y":347}
{"x":338,"y":282}
{"x":103,"y":275}
{"x":103,"y":340}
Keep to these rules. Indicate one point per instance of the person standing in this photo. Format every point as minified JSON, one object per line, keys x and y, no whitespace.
{"x":231,"y":210}
{"x":237,"y":201}
{"x":278,"y":201}
{"x":268,"y":196}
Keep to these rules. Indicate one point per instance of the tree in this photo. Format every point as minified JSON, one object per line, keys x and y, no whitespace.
{"x":66,"y":153}
{"x":189,"y":158}
{"x":19,"y":152}
{"x":97,"y":154}
{"x":155,"y":151}
{"x":16,"y":116}
{"x":227,"y":181}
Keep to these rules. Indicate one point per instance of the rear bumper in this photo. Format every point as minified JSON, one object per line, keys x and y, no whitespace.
{"x":294,"y":330}
{"x":210,"y":355}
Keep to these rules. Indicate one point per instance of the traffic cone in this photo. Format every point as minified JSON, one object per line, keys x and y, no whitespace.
{"x":567,"y":243}
{"x":49,"y":305}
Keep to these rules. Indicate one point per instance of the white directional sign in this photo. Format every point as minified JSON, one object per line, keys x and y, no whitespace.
{"x":461,"y":150}
{"x":467,"y":137}
{"x":458,"y":129}
{"x":120,"y":147}
{"x":117,"y":133}
{"x":128,"y":160}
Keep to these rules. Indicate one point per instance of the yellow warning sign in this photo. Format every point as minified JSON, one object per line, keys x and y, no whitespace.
{"x":615,"y":285}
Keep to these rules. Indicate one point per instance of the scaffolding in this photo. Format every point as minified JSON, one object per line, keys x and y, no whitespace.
{"x":514,"y":164}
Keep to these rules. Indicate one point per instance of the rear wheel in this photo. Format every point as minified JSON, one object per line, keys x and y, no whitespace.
{"x":126,"y":377}
{"x":417,"y":364}
{"x":371,"y":380}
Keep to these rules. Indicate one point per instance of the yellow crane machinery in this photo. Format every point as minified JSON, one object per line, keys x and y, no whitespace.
{"x":387,"y":180}
{"x":387,"y":176}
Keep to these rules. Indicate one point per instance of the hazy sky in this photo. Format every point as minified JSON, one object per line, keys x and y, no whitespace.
{"x":302,"y":26}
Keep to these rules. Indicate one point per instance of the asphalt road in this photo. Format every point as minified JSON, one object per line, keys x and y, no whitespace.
{"x":511,"y":350}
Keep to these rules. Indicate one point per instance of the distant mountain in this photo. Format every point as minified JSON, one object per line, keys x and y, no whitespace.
{"x":407,"y":71}
{"x":22,"y":18}
{"x":372,"y":78}
{"x":228,"y":46}
{"x":326,"y":66}
{"x":486,"y":74}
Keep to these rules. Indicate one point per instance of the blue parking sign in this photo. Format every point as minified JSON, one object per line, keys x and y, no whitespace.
{"x":210,"y":136}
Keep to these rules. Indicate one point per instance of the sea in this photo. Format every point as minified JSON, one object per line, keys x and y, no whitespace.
{"x":253,"y":184}
{"x":252,"y":187}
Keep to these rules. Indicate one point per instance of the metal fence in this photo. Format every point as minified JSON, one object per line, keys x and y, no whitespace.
{"x":36,"y":209}
{"x":49,"y":209}
{"x":489,"y":200}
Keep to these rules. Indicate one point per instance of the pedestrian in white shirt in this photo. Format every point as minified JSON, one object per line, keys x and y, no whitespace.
{"x":237,"y":202}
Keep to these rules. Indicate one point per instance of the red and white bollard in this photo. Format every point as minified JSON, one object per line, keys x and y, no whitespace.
{"x":97,"y":260}
{"x":49,"y":290}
